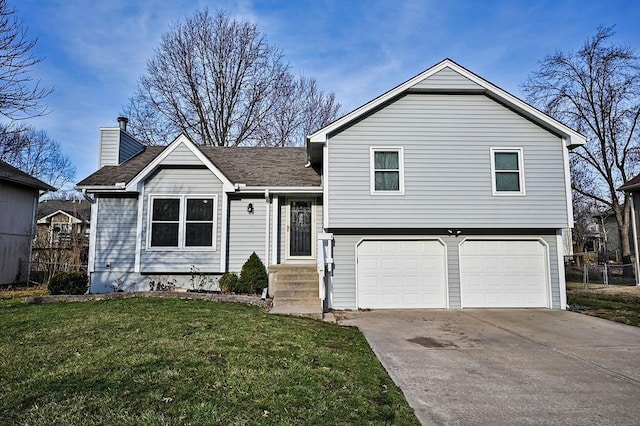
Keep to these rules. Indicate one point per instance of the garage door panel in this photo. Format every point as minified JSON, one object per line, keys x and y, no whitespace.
{"x":503,"y":273}
{"x":401,"y":274}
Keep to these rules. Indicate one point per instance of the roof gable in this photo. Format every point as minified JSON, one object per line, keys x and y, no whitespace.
{"x":71,"y":218}
{"x":456,"y":77}
{"x":183,"y":145}
{"x":446,"y":79}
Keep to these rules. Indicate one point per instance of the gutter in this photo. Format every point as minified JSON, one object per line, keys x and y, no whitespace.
{"x":278,"y":189}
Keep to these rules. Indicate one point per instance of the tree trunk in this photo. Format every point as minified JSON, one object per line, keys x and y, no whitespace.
{"x":623,"y":219}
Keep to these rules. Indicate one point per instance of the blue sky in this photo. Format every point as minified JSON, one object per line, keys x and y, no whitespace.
{"x":95,"y":50}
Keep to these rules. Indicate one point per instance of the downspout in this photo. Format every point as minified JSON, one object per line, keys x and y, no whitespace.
{"x":32,"y":232}
{"x":266,"y":227}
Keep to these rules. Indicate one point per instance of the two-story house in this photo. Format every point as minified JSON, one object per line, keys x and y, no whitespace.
{"x":444,"y":192}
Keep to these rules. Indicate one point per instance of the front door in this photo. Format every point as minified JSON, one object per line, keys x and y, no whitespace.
{"x":300,"y":229}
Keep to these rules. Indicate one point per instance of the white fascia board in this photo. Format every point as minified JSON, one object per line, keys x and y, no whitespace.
{"x":573,"y":138}
{"x":182,"y":139}
{"x":280,"y":189}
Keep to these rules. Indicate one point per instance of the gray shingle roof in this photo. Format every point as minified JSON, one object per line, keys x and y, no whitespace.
{"x":253,"y":166}
{"x":77,"y":208}
{"x":11,"y":174}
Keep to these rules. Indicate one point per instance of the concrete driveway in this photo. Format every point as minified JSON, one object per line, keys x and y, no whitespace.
{"x":508,"y":366}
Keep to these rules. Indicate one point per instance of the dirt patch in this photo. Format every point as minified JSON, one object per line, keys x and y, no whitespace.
{"x":599,"y":288}
{"x":429,"y":342}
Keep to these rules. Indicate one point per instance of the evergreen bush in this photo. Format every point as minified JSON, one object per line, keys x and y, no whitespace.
{"x":229,"y":282}
{"x":68,"y":283}
{"x":253,"y":277}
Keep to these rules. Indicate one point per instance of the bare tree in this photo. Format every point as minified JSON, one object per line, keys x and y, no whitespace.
{"x":20,"y":95}
{"x":220,"y":82}
{"x":34,"y":152}
{"x":597,"y":91}
{"x":300,"y":107}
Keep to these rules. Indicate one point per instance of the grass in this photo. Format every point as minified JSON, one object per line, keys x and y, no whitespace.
{"x":620,"y":307}
{"x":170,"y":362}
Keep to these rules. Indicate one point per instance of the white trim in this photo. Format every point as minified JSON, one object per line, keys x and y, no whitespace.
{"x":548,"y":287}
{"x":567,"y":183}
{"x":275,"y":213}
{"x":405,"y":238}
{"x":372,"y":170}
{"x":74,"y":220}
{"x":313,"y":229}
{"x":267,"y":215}
{"x":136,"y":266}
{"x":573,"y":138}
{"x":182,"y":222}
{"x":223,"y":232}
{"x":325,"y":186}
{"x":562,"y":281}
{"x":182,"y":139}
{"x":93,"y":230}
{"x":521,"y":171}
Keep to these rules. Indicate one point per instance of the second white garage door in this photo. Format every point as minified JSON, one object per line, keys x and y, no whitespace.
{"x":503,"y":274}
{"x":401,"y":274}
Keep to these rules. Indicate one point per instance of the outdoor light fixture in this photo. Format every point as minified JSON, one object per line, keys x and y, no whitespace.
{"x":250,"y":208}
{"x":454,"y":232}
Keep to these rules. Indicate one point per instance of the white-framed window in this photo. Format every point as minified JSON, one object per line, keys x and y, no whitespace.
{"x":507,"y":171}
{"x":387,"y":170}
{"x":182,"y":222}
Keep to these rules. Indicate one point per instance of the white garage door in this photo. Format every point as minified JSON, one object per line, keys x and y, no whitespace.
{"x":401,"y":274}
{"x":503,"y":274}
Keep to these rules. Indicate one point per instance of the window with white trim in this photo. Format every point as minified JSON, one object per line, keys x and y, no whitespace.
{"x":508,"y":171}
{"x":182,"y":222}
{"x":387,"y":170}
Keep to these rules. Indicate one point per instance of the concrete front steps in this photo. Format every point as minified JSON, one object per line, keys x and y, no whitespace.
{"x":294,"y":289}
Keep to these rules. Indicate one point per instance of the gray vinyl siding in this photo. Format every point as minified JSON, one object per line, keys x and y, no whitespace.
{"x":246,"y":231}
{"x":181,"y":156}
{"x":181,"y":182}
{"x":447,"y":167}
{"x":16,"y":226}
{"x":344,"y":275}
{"x":448,"y":79}
{"x":129,"y":147}
{"x":109,"y":140}
{"x":116,"y":234}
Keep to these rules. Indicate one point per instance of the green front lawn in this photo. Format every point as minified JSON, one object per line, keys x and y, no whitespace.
{"x":620,"y":307}
{"x":170,"y":361}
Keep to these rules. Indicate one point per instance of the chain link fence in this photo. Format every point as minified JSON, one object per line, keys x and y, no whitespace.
{"x":600,"y":275}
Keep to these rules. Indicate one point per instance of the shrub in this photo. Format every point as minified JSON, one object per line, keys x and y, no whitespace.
{"x":253,"y":277}
{"x":228,"y":282}
{"x":68,"y":283}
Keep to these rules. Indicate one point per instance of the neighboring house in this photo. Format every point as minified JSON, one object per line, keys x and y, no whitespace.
{"x":19,"y":193}
{"x":62,"y":239}
{"x":62,"y":221}
{"x":633,"y":187}
{"x":606,"y":240}
{"x":444,"y":192}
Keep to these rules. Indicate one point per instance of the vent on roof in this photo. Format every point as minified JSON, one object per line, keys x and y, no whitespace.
{"x":122,"y":123}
